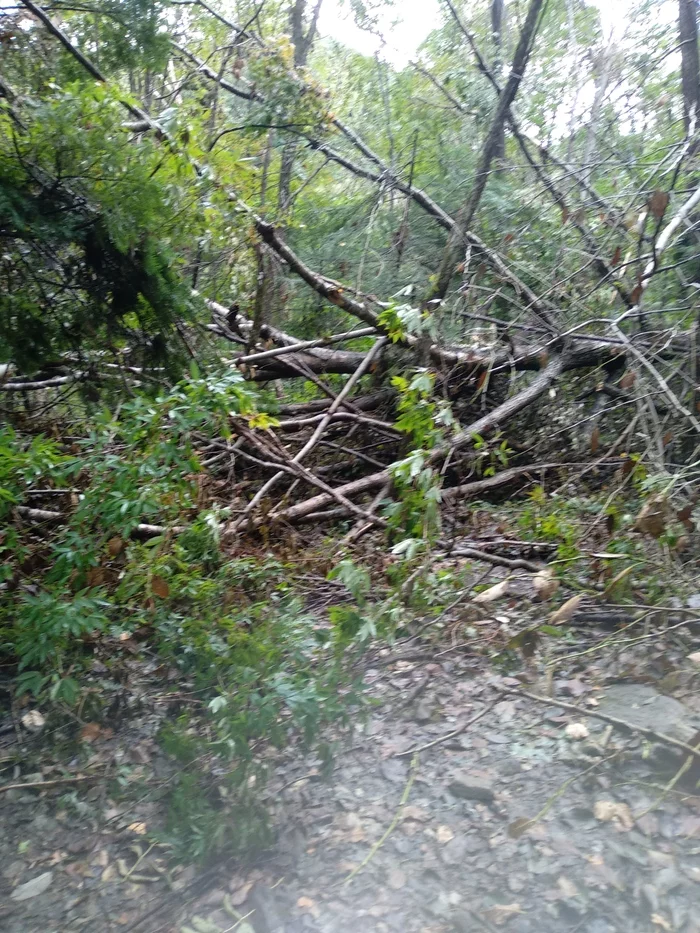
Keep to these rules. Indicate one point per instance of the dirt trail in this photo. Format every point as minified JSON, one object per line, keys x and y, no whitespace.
{"x":617,"y":848}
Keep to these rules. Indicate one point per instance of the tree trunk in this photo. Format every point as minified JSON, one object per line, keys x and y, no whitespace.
{"x":690,"y":65}
{"x":497,"y":7}
{"x":302,"y":40}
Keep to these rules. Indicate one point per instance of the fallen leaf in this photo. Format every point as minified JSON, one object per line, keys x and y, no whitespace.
{"x":95,"y":576}
{"x":115,"y":546}
{"x":159,"y":587}
{"x":138,"y":828}
{"x":33,"y":720}
{"x":502,"y":913}
{"x":658,"y":203}
{"x":617,"y":256}
{"x":576,"y":731}
{"x":617,"y":579}
{"x":444,"y":834}
{"x":637,"y":292}
{"x":396,"y":879}
{"x":566,"y":611}
{"x":628,"y":379}
{"x":90,"y":732}
{"x":411,"y":812}
{"x":493,"y":592}
{"x":545,"y":583}
{"x":566,"y":887}
{"x":520,"y":826}
{"x":595,"y":439}
{"x":660,"y":921}
{"x":694,"y":658}
{"x":684,"y":514}
{"x":23,"y":892}
{"x":609,"y":811}
{"x":239,"y":896}
{"x":306,"y":903}
{"x":652,"y":517}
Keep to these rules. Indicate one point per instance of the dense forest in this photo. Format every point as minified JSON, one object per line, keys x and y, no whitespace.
{"x":349,"y":466}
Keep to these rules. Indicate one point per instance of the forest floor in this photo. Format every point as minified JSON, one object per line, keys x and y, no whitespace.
{"x":458,"y":805}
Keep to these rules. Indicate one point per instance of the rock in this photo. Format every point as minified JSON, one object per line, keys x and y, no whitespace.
{"x":642,"y":705}
{"x":469,"y":787}
{"x":455,"y":851}
{"x":423,"y":712}
{"x":23,"y":892}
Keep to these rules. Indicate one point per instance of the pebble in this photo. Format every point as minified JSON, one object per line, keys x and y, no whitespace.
{"x":471,"y":788}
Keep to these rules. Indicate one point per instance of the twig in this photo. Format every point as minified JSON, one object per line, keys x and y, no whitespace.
{"x":612,"y":720}
{"x":669,"y":787}
{"x":392,"y":826}
{"x":55,"y":783}
{"x":513,"y":563}
{"x":450,"y":735}
{"x":525,"y":825}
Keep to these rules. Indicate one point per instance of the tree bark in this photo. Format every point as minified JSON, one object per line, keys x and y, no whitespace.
{"x":690,"y":63}
{"x":467,"y":212}
{"x":497,"y":7}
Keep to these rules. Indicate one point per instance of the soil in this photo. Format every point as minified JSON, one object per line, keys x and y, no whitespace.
{"x":532,"y":818}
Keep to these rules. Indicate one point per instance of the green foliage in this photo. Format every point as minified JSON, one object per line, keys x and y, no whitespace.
{"x":415,"y":516}
{"x":25,"y":461}
{"x":554,"y":520}
{"x":137,"y":467}
{"x":89,"y":225}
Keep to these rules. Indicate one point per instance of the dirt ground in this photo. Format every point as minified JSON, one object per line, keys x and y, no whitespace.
{"x":458,"y":806}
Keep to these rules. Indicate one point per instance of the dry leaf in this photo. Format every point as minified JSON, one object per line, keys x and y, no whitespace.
{"x":617,"y":256}
{"x":617,"y":579}
{"x":684,"y":514}
{"x":636,"y":293}
{"x":493,"y":592}
{"x":566,"y":887}
{"x":502,"y":913}
{"x":667,"y":438}
{"x":90,"y":732}
{"x":660,"y":921}
{"x":95,"y":576}
{"x":159,"y":587}
{"x":652,"y":518}
{"x":564,"y":214}
{"x":115,"y":546}
{"x":138,"y":828}
{"x":33,"y":720}
{"x":595,"y":439}
{"x":520,"y":826}
{"x":565,"y":612}
{"x":658,"y":203}
{"x":609,"y":811}
{"x":24,"y":892}
{"x":396,"y":879}
{"x":411,"y":812}
{"x":694,"y":658}
{"x":628,"y":379}
{"x":576,"y":731}
{"x":306,"y":903}
{"x":444,"y":834}
{"x":545,"y":583}
{"x":240,"y":894}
